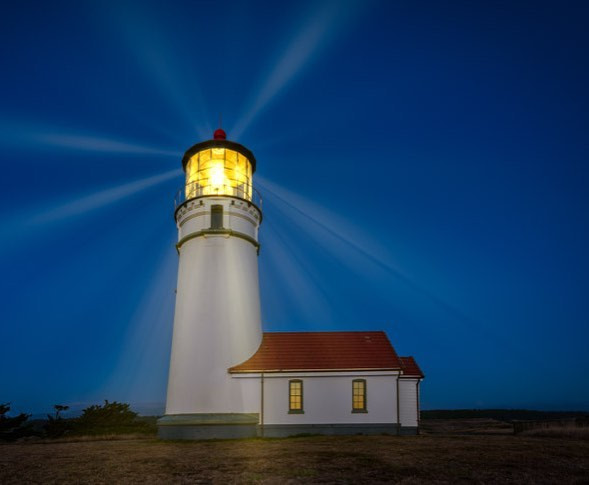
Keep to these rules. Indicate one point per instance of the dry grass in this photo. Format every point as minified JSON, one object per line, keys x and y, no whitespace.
{"x":465,"y":426}
{"x":83,"y":438}
{"x":433,"y":458}
{"x":567,"y":432}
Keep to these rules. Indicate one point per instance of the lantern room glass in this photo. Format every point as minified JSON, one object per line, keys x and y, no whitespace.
{"x":219,"y":171}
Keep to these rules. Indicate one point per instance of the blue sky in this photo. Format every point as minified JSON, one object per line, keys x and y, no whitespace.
{"x":423,"y":167}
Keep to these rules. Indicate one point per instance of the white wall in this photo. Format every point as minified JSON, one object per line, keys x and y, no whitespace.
{"x":217,"y":320}
{"x":238,"y":215}
{"x":408,"y":402}
{"x":327,"y":398}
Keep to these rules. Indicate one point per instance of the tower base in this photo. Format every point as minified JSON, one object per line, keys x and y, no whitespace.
{"x":284,"y":430}
{"x":207,"y":426}
{"x":241,"y":425}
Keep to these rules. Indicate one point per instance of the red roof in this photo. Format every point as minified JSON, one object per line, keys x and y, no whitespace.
{"x":316,"y":351}
{"x":410,"y":367}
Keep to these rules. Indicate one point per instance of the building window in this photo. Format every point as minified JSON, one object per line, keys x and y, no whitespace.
{"x":359,"y":396}
{"x":295,"y":396}
{"x":216,"y":217}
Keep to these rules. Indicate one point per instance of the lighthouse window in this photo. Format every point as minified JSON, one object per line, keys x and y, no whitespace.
{"x":217,"y":217}
{"x":295,"y":396}
{"x":219,"y":171}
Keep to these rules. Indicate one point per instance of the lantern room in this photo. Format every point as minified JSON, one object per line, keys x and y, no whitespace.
{"x":219,"y":167}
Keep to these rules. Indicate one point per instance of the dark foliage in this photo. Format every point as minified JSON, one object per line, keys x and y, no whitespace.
{"x":13,"y":428}
{"x":110,"y":418}
{"x":56,"y":426}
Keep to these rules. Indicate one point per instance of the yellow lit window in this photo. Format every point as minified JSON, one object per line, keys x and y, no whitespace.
{"x":295,"y":396}
{"x":219,"y":171}
{"x":359,"y":395}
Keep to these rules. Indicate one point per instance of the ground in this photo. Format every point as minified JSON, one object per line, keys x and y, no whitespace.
{"x":477,"y":450}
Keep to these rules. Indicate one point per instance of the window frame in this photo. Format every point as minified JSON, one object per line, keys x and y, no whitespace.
{"x":217,"y":216}
{"x":364,"y":409}
{"x":290,"y":409}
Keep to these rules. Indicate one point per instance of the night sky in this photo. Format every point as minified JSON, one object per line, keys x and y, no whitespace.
{"x":423,"y":165}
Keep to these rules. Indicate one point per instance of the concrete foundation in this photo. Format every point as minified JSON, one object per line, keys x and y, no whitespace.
{"x":283,"y":430}
{"x":408,"y":430}
{"x":207,"y":426}
{"x":235,"y":426}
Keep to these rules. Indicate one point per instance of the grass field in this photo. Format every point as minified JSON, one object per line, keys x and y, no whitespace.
{"x":447,"y":452}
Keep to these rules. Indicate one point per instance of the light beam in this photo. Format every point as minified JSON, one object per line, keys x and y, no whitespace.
{"x":296,"y":282}
{"x":103,"y":198}
{"x":19,"y":226}
{"x":98,"y":144}
{"x":144,"y":37}
{"x":305,"y":208}
{"x":315,"y":34}
{"x":32,"y":136}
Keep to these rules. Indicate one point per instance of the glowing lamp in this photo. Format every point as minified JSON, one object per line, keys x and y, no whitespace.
{"x":219,"y":167}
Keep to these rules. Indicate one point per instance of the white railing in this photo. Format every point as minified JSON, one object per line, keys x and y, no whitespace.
{"x":194,"y":190}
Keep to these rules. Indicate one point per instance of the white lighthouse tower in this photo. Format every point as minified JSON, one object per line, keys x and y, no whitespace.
{"x":217,"y":320}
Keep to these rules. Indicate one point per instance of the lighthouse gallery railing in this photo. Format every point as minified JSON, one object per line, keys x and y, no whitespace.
{"x":195,"y":190}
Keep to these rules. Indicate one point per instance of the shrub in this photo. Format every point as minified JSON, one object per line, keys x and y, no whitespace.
{"x":13,"y":428}
{"x":56,"y":426}
{"x":110,"y":418}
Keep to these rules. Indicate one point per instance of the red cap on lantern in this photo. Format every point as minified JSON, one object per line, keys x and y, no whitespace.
{"x":219,"y":134}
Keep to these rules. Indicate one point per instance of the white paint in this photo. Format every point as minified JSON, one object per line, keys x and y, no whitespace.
{"x":217,"y":320}
{"x":327,"y":397}
{"x":408,"y":401}
{"x":238,"y":215}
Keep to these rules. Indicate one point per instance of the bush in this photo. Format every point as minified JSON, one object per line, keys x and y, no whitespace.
{"x":13,"y":428}
{"x":110,"y":418}
{"x":56,"y":426}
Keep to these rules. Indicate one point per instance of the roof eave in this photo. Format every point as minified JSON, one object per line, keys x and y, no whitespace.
{"x":231,"y":145}
{"x":278,"y":371}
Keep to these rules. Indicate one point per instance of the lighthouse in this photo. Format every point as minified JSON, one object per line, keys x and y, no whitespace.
{"x":217,"y":321}
{"x":227,"y":378}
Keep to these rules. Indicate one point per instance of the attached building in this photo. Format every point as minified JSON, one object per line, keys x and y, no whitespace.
{"x":332,"y":383}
